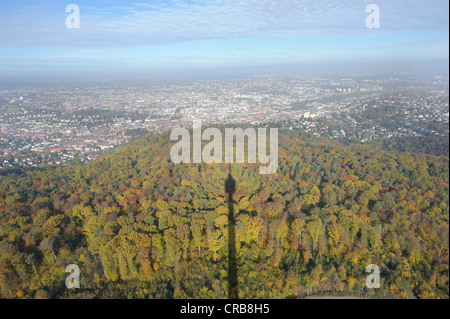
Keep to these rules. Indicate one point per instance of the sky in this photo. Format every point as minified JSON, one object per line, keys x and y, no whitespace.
{"x":150,"y":39}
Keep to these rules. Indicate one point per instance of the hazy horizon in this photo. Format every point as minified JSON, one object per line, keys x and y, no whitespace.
{"x":299,"y":70}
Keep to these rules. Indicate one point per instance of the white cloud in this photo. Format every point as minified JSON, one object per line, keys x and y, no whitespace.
{"x":159,"y":22}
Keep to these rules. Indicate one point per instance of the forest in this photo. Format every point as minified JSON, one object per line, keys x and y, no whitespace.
{"x":139,"y":226}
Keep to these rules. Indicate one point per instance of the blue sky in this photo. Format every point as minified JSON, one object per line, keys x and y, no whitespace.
{"x":126,"y":39}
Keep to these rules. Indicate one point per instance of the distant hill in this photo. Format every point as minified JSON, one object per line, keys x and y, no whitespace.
{"x":139,"y":226}
{"x":433,"y":145}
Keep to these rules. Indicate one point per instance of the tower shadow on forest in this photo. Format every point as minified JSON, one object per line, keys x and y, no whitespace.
{"x":233,"y":284}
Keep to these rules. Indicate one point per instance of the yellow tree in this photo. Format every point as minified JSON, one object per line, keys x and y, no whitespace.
{"x":315,"y":229}
{"x":215,"y":242}
{"x":197,"y":234}
{"x":334,"y":235}
{"x":298,"y":226}
{"x":221,"y":222}
{"x":254,"y":228}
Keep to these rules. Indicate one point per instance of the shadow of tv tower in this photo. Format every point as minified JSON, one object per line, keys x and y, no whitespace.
{"x":233,"y":284}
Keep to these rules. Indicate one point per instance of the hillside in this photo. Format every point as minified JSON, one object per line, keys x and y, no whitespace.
{"x":139,"y":226}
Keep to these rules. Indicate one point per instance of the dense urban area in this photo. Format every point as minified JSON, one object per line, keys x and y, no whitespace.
{"x":43,"y":125}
